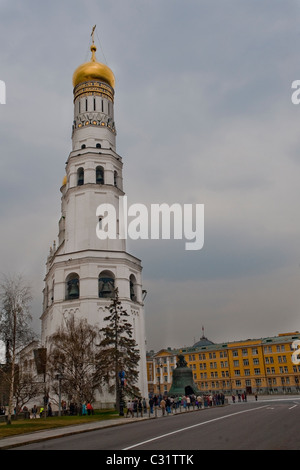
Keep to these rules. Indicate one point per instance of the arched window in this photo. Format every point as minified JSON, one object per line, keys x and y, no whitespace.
{"x":98,"y":146}
{"x":99,"y":175}
{"x":72,"y":286}
{"x":46,"y":300}
{"x":106,"y":285}
{"x":83,"y":146}
{"x":52,"y":293}
{"x":132,"y":286}
{"x":80,"y":176}
{"x":115,"y":179}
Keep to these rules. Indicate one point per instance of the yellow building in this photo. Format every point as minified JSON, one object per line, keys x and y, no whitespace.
{"x":253,"y":366}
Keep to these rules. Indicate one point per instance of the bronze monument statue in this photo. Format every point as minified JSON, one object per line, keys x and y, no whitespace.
{"x":183,"y":383}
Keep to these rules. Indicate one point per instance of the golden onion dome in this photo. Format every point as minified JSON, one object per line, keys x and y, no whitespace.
{"x":93,"y":70}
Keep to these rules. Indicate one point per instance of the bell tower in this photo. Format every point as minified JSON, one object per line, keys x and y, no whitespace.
{"x":82,"y":271}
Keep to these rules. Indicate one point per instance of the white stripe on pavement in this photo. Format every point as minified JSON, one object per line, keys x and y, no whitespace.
{"x":193,"y":426}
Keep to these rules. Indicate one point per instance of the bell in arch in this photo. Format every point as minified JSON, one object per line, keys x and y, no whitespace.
{"x":73,"y":289}
{"x":106,"y":291}
{"x":106,"y":287}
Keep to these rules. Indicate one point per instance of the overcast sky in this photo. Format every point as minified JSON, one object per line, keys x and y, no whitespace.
{"x":203,"y":114}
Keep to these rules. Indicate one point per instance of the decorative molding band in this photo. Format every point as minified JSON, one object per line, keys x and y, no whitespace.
{"x":94,"y":119}
{"x":94,"y":89}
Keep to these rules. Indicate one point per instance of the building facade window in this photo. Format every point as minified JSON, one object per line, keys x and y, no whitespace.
{"x":80,"y":176}
{"x":133,"y":288}
{"x":99,"y":175}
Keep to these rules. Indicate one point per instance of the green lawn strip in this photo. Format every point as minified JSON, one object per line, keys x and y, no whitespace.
{"x":23,"y":426}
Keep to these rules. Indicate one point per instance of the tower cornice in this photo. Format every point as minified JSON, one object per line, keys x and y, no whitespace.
{"x":94,"y":186}
{"x":91,"y":151}
{"x":95,"y":88}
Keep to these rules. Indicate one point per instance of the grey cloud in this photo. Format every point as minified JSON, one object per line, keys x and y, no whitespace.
{"x":203,"y":115}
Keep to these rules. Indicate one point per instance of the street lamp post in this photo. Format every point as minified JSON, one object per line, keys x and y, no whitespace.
{"x":159,"y":377}
{"x":59,"y":377}
{"x":121,"y":386}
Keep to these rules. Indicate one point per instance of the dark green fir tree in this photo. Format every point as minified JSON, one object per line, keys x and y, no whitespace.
{"x":118,"y":356}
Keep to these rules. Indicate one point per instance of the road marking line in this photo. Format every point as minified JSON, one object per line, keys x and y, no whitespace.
{"x":281,"y":399}
{"x":193,"y":426}
{"x":293,"y":406}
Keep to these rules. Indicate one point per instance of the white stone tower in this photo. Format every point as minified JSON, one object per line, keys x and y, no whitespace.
{"x":82,"y":270}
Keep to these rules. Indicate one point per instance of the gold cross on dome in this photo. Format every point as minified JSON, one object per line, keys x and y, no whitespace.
{"x":93,"y":31}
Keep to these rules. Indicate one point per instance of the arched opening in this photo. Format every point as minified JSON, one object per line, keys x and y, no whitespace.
{"x":72,"y":286}
{"x":83,"y":146}
{"x":132,"y":287}
{"x":106,"y":285}
{"x":52,"y":293}
{"x":115,"y":179}
{"x":80,"y":176}
{"x":98,"y":146}
{"x":46,"y":300}
{"x":99,"y":175}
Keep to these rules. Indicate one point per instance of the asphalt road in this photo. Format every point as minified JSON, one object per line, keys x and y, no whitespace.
{"x":265,"y":425}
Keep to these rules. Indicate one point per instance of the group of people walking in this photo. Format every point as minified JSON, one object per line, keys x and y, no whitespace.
{"x":87,"y":409}
{"x":72,"y":410}
{"x":168,"y":404}
{"x":241,"y":397}
{"x":137,"y":405}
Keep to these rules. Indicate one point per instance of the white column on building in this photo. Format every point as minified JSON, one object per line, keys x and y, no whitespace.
{"x":169,"y":370}
{"x":154,"y":372}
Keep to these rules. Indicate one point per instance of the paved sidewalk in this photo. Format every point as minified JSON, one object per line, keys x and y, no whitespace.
{"x":21,"y":439}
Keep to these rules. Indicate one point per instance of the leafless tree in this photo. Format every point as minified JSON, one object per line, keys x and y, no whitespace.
{"x":71,"y":356}
{"x":26,"y":388}
{"x":15,"y":329}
